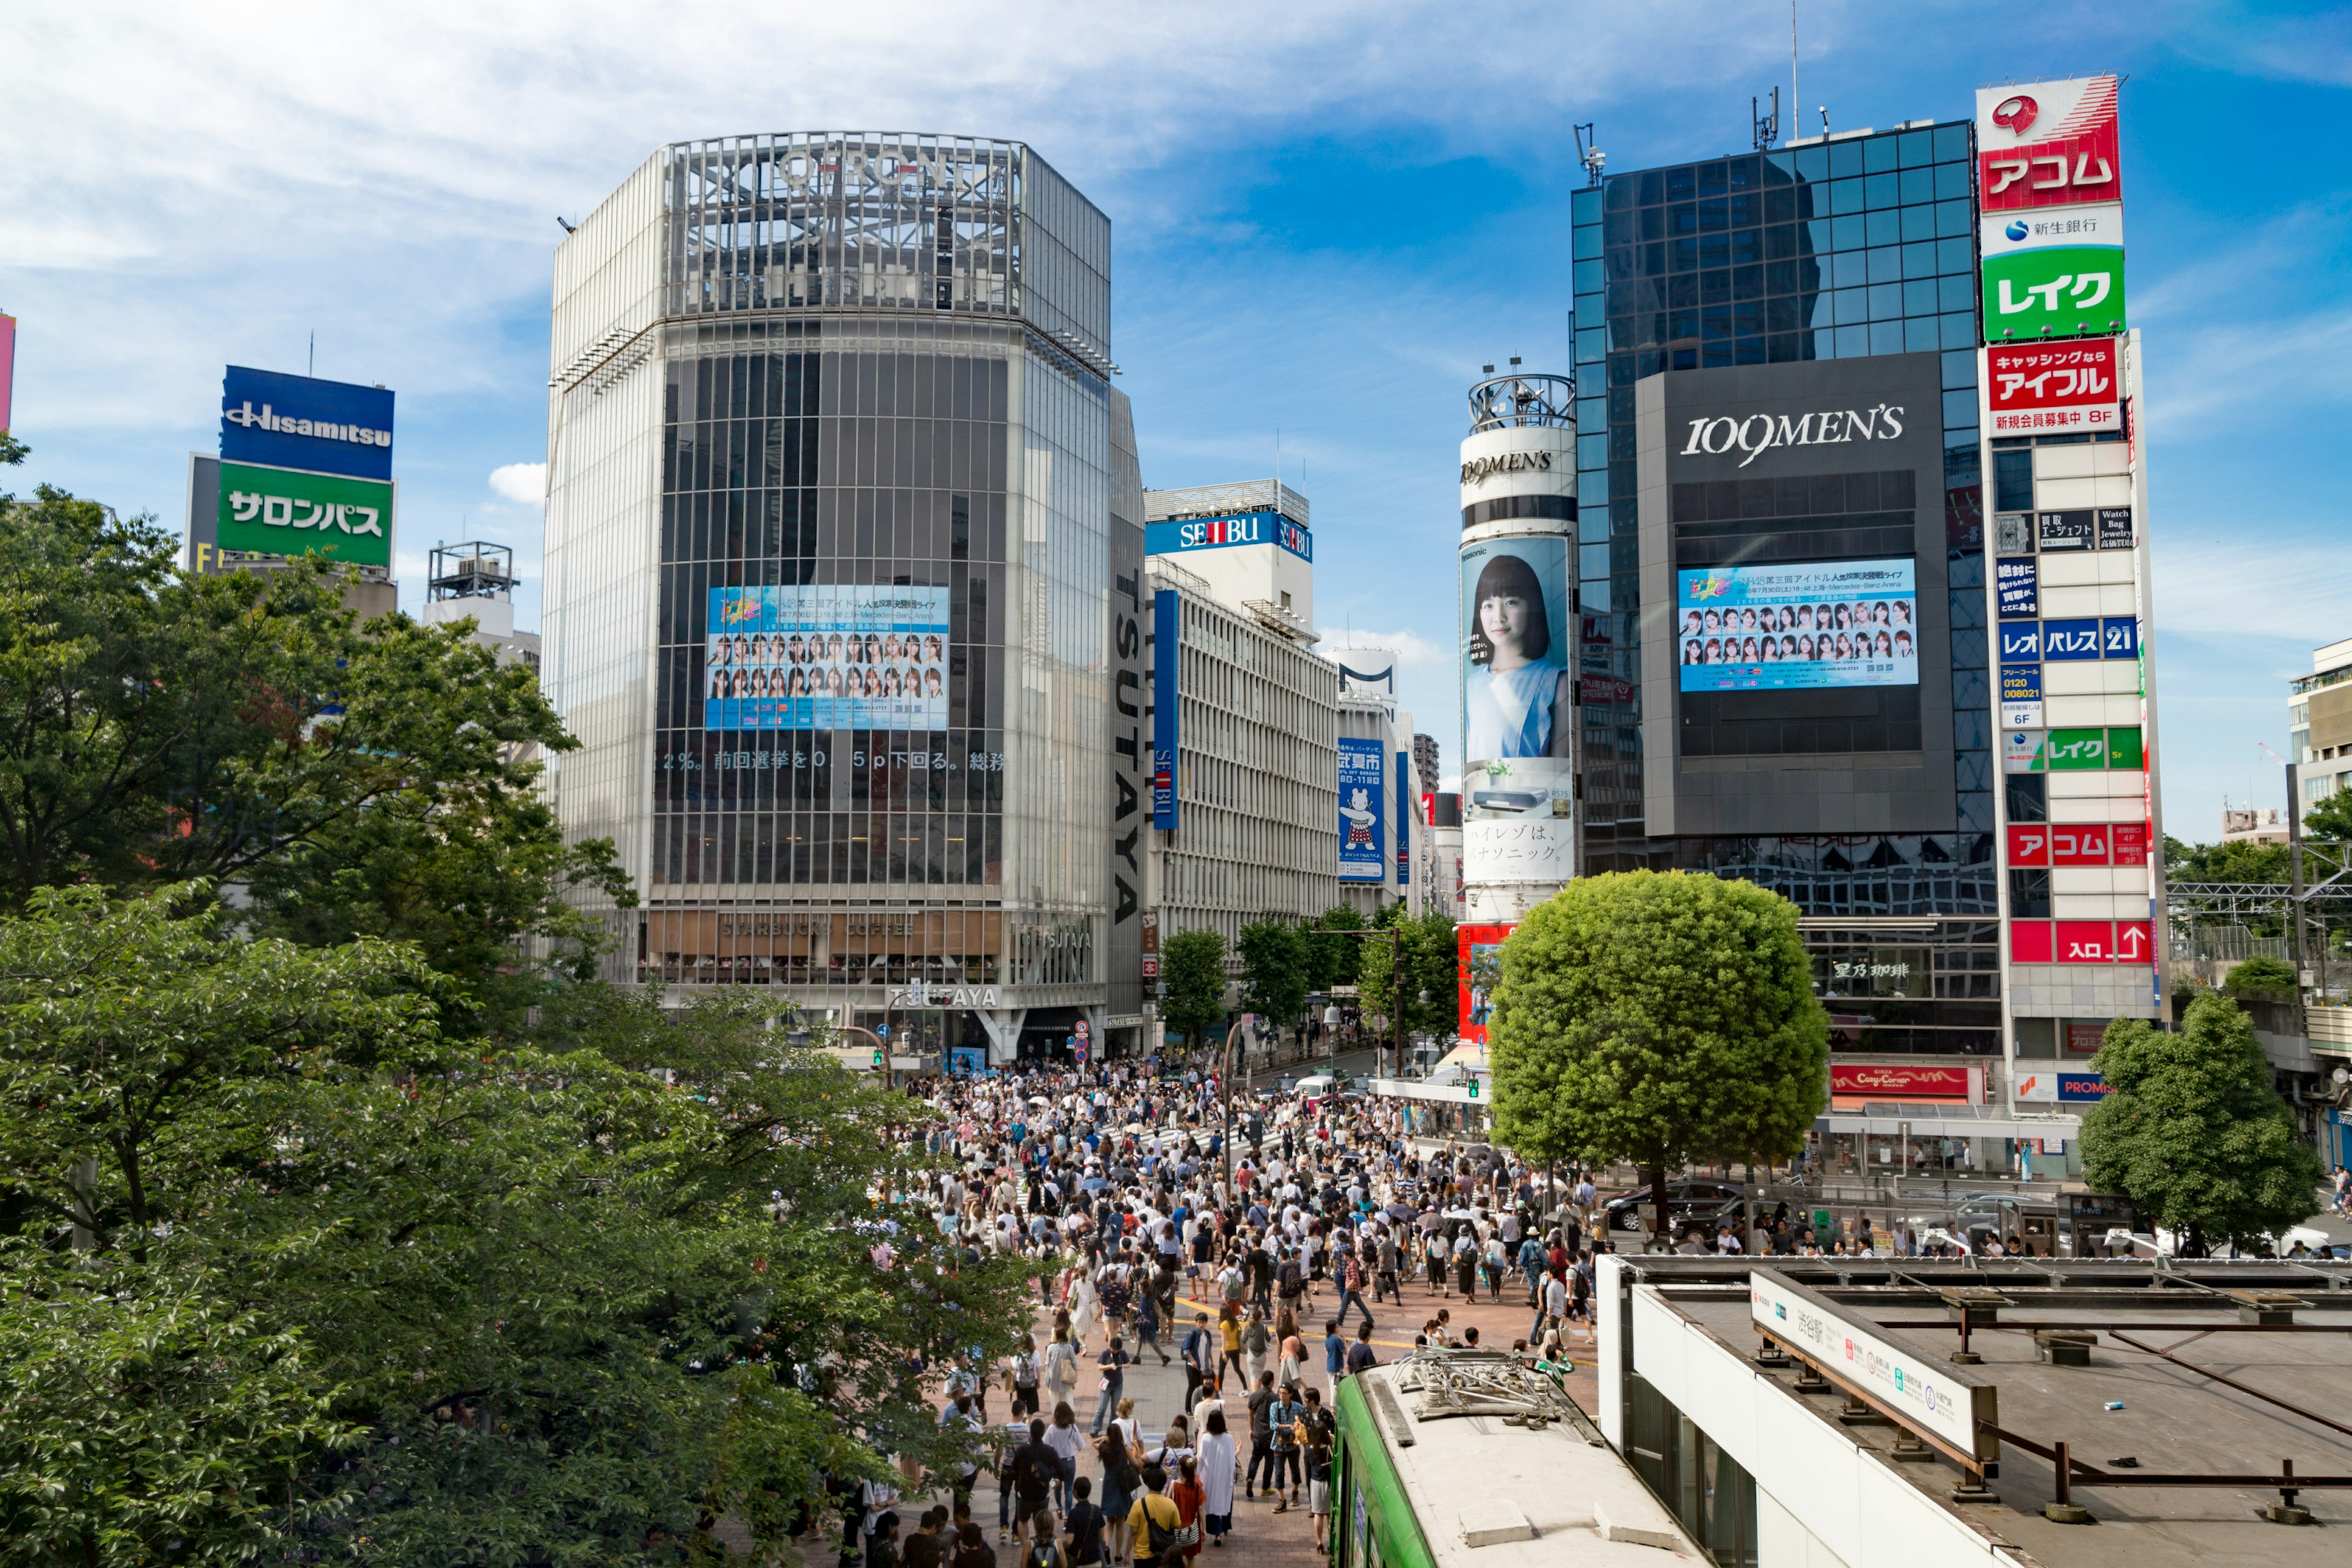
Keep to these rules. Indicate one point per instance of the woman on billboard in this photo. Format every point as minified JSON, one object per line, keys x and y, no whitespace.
{"x":1519,"y":705}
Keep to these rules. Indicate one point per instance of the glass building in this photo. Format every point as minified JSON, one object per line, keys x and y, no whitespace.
{"x":1861,"y":247}
{"x":834,"y":528}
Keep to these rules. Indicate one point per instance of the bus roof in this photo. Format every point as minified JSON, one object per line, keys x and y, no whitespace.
{"x":1492,"y":1494}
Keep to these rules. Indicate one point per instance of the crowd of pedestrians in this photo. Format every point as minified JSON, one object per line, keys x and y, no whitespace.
{"x":1259,"y":1262}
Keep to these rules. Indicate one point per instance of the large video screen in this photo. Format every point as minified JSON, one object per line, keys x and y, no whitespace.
{"x":1829,"y":622}
{"x":819,"y":656}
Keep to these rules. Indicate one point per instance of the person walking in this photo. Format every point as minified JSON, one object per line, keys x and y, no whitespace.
{"x":1261,"y":1428}
{"x":1218,"y":1462}
{"x":1283,"y":1420}
{"x":1319,"y":1429}
{"x":1067,"y":1442}
{"x":1352,"y":1285}
{"x":1153,"y":1524}
{"x":1114,"y":1363}
{"x":1197,"y":1352}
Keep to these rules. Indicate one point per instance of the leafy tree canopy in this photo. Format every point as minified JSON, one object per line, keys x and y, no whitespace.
{"x":2194,"y":1133}
{"x":2240,"y":860}
{"x":1192,"y":978}
{"x":1331,"y":960}
{"x":1275,"y":964}
{"x":2262,"y":976}
{"x":1423,"y":950}
{"x":1660,"y":1019}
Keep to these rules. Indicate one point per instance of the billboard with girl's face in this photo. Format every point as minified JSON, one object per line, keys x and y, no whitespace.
{"x":1834,"y":623}
{"x":1517,"y":628}
{"x":826,"y":657}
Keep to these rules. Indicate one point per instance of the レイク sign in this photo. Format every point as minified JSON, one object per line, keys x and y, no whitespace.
{"x":2058,"y":387}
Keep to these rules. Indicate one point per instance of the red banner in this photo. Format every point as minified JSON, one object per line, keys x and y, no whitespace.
{"x":1478,"y":950}
{"x":1869,"y":1080}
{"x":2031,"y":388}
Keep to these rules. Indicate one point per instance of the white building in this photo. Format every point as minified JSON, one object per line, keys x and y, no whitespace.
{"x":2319,"y":725}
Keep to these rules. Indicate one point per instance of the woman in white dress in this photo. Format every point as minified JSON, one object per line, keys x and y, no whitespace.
{"x":1216,"y":1472}
{"x":1083,"y":1308}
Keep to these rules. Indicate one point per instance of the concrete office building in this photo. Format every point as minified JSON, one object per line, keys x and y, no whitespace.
{"x":2319,"y":727}
{"x":1246,"y":825}
{"x":843,"y":591}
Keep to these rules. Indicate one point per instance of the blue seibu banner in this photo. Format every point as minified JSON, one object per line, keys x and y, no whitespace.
{"x":1179,"y":535}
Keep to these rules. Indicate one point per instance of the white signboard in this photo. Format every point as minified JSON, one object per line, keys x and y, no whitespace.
{"x":1928,"y":1393}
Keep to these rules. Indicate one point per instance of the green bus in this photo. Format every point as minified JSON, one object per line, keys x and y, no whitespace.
{"x":1470,"y":1459}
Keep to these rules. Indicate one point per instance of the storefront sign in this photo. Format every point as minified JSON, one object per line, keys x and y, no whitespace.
{"x":1363,"y":831}
{"x":2069,"y":290}
{"x":2079,"y":1087}
{"x":1869,"y":1080}
{"x":1183,"y":535}
{"x":2060,"y":530}
{"x":2039,"y":1087}
{"x":2021,"y":696}
{"x":1167,"y":616}
{"x":2051,"y":144}
{"x":302,"y":422}
{"x":2053,"y":389}
{"x":1921,"y":1389}
{"x":2115,"y":528}
{"x":2018,"y":585}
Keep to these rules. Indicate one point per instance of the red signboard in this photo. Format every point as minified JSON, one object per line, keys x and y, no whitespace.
{"x":2050,"y":145}
{"x":2078,"y":843}
{"x":1869,"y":1080}
{"x":2028,"y":843}
{"x":2131,"y":843}
{"x":2057,"y":387}
{"x":2086,"y":942}
{"x":2135,"y":942}
{"x":1478,"y":950}
{"x":7,"y":365}
{"x":2030,"y":942}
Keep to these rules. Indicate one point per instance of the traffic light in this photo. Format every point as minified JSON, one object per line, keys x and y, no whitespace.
{"x":1473,"y":1088}
{"x":877,"y":1056}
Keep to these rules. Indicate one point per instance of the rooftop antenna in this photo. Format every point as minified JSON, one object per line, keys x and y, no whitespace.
{"x":1825,"y":121}
{"x":1589,"y":154}
{"x":314,"y":351}
{"x":1766,"y":127}
{"x":1796,"y":95}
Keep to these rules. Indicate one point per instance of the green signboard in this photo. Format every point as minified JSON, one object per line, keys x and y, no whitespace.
{"x":2058,"y":291}
{"x":2072,"y":750}
{"x":285,"y":512}
{"x":2124,"y":749}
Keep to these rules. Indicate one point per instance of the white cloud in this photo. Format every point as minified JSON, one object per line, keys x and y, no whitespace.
{"x":1412,"y":650}
{"x":523,"y":482}
{"x":2247,"y":586}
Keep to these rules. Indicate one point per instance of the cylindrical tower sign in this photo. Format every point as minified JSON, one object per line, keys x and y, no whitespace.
{"x":1518,"y":646}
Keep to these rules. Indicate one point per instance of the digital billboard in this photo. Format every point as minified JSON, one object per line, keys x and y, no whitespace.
{"x":818,"y":656}
{"x":1363,"y":783}
{"x":1834,"y":623}
{"x":1516,"y":626}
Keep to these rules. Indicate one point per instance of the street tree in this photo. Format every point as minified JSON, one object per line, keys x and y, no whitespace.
{"x":245,"y":728}
{"x":289,"y":1269}
{"x":1659,"y":1017}
{"x":1332,"y":959}
{"x":2194,"y":1133}
{"x":1193,"y":973}
{"x":1275,"y":965}
{"x":2263,"y":976}
{"x":1421,"y":951}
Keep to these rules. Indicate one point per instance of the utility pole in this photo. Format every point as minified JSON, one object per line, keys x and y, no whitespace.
{"x":2294,"y":877}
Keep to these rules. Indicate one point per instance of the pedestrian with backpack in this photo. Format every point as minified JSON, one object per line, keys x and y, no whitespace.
{"x":1159,"y":1530}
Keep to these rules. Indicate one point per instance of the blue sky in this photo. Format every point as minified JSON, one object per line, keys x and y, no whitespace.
{"x":1326,"y":217}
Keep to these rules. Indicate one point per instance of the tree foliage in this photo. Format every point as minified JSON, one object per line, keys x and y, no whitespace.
{"x":1192,"y":977}
{"x":2262,"y":976}
{"x":1332,"y":960}
{"x":531,"y":1303}
{"x":1274,"y":962}
{"x":1425,"y":963}
{"x":2193,"y":1130}
{"x":2238,"y":861}
{"x":1660,"y":1019}
{"x":157,"y":728}
{"x":2330,"y":820}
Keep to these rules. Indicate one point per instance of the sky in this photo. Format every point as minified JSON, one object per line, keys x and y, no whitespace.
{"x":1326,"y":217}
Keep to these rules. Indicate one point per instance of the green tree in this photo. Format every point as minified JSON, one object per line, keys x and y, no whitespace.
{"x":358,"y":780}
{"x":1332,"y":960}
{"x":557,"y":1302}
{"x":2240,"y":860}
{"x":1661,"y":1018}
{"x":2262,"y":977}
{"x":2330,"y":820}
{"x":2194,"y":1133}
{"x":13,"y":451}
{"x":1275,"y":964}
{"x":1426,"y":964}
{"x":1192,"y":975}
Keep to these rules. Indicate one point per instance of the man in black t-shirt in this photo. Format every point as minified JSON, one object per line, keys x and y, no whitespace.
{"x":1260,"y":1427}
{"x":1033,"y":1470}
{"x":1082,"y":1531}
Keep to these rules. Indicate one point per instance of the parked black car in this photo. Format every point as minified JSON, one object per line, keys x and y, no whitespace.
{"x":1689,"y":1200}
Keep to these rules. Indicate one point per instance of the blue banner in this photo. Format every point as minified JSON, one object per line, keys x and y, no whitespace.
{"x":2021,"y":643}
{"x":1165,"y":614}
{"x":300,"y":422}
{"x":1179,"y":535}
{"x":2070,"y":639}
{"x":1404,"y":820}
{"x":1363,"y":791}
{"x":2019,"y":587}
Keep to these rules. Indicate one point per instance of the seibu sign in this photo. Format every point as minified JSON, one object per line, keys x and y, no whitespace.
{"x":1871,"y":1081}
{"x":2031,"y":388}
{"x":2050,"y":145}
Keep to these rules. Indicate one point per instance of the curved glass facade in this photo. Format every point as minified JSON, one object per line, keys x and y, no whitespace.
{"x":869,"y":575}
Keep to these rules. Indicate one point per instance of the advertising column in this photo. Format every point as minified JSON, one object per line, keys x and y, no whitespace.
{"x":2079,"y":842}
{"x":305,"y":466}
{"x":1517,"y":610}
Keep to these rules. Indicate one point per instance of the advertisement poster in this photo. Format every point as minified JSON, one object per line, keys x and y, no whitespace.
{"x":1479,"y":952}
{"x":825,"y":657}
{"x":280,"y":512}
{"x":1515,"y":698}
{"x":2018,"y":585}
{"x":1363,"y":784}
{"x":2030,"y":389}
{"x":2067,"y":289}
{"x":283,"y":421}
{"x":2021,"y":696}
{"x":2049,"y":143}
{"x":1836,"y":623}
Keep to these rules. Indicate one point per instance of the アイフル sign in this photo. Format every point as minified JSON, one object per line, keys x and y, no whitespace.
{"x":2053,"y":389}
